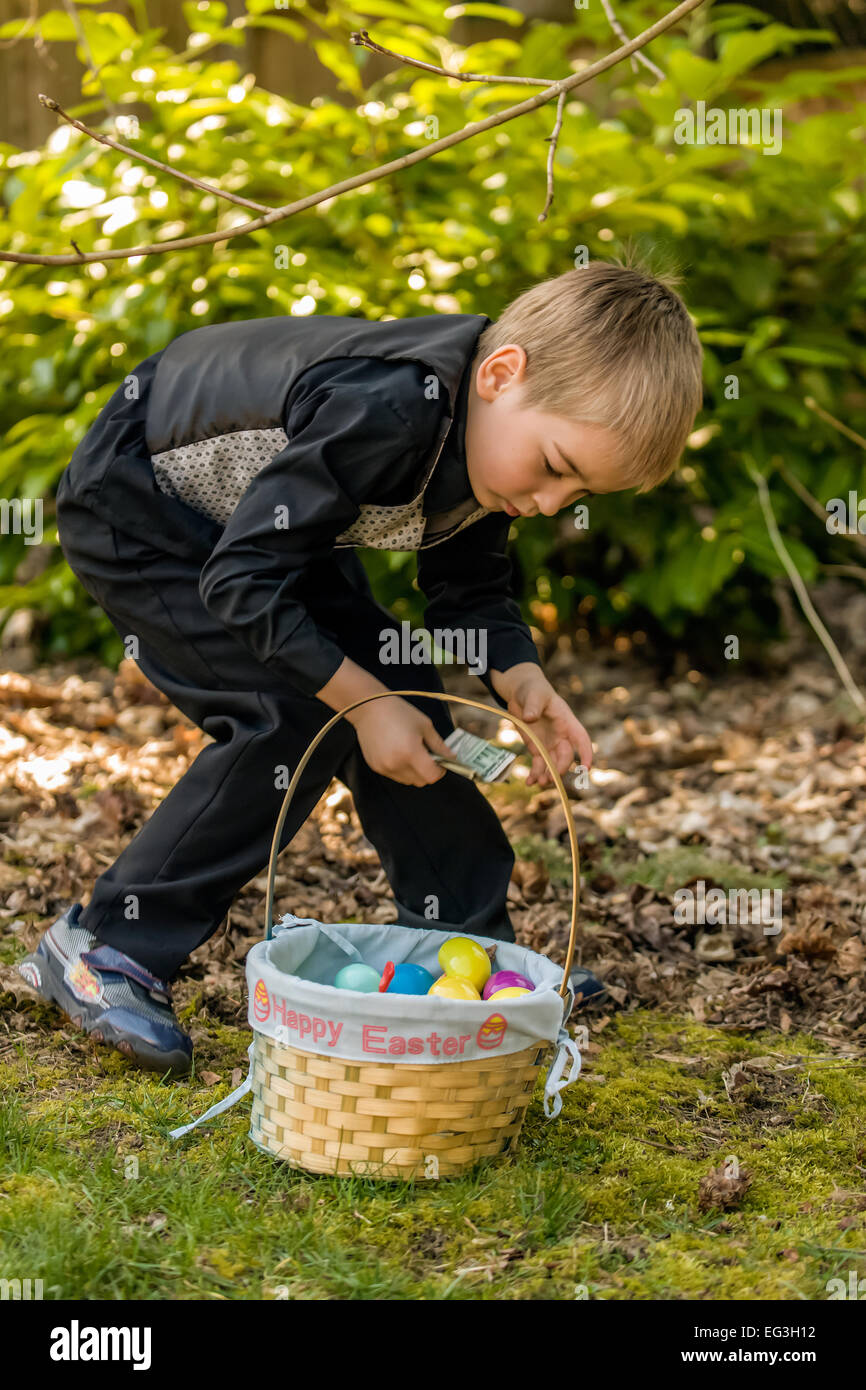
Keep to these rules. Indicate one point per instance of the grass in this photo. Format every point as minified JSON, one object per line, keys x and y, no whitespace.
{"x":600,"y":1203}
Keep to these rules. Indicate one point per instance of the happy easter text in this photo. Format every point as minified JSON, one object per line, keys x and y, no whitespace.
{"x":374,"y":1036}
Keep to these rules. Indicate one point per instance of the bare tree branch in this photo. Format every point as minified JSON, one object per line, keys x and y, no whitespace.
{"x":362,"y":38}
{"x":281,"y":214}
{"x":621,"y":34}
{"x":140,"y":158}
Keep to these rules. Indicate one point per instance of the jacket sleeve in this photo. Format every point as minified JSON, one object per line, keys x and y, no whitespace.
{"x":265,"y":562}
{"x":467,"y":583}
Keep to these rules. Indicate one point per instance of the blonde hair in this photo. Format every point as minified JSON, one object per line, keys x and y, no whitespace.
{"x":610,"y":344}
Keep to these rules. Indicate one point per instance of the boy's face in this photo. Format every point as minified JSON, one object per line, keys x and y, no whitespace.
{"x":516,"y":458}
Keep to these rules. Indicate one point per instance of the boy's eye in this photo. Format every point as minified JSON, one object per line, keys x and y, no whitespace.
{"x":582,"y":492}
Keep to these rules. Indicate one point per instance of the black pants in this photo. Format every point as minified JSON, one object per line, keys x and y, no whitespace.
{"x":139,"y":554}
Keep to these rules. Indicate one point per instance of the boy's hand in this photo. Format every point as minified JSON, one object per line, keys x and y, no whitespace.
{"x":395,"y":738}
{"x":531,"y":697}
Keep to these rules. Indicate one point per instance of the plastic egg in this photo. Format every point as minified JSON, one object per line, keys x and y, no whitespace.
{"x":464,"y":958}
{"x":512,"y":992}
{"x":362,"y":978}
{"x":454,"y":987}
{"x":410,"y":979}
{"x":506,"y":979}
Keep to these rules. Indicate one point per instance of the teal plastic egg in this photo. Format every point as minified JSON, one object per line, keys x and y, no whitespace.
{"x":362,"y":978}
{"x":410,"y":979}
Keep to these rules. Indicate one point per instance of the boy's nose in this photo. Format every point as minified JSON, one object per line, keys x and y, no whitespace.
{"x":549,"y":507}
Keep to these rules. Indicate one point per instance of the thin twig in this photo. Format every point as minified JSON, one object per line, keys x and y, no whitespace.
{"x":621,"y":34}
{"x":405,"y":161}
{"x":361,"y":38}
{"x":38,"y":42}
{"x":846,"y":571}
{"x":831,"y":420}
{"x":551,"y":155}
{"x":28,"y":25}
{"x":814,"y":505}
{"x":801,"y":591}
{"x":72,"y":11}
{"x":140,"y":158}
{"x":802,"y":492}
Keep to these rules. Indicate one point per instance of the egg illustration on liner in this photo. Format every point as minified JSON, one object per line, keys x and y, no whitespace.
{"x":362,"y":978}
{"x":462,"y":956}
{"x":506,"y":979}
{"x":261,"y":1001}
{"x":510,"y":992}
{"x":491,"y":1032}
{"x":454,"y":987}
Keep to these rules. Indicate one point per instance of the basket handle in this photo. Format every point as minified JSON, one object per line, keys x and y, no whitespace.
{"x":450,"y":699}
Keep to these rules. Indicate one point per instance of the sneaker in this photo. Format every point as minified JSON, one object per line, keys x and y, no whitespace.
{"x":584,"y":986}
{"x":108,"y":994}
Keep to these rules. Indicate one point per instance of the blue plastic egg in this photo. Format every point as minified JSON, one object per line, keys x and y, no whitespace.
{"x":410,"y":979}
{"x":362,"y":978}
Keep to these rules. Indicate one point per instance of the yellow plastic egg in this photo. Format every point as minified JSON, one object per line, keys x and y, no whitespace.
{"x":510,"y":993}
{"x":454,"y":987}
{"x":463,"y":957}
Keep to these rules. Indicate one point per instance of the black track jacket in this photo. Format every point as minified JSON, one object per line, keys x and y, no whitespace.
{"x":290,"y":436}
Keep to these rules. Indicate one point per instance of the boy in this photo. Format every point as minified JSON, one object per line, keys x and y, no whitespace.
{"x":213,"y":509}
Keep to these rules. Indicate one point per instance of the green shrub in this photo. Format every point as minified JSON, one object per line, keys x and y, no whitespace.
{"x":771,"y":249}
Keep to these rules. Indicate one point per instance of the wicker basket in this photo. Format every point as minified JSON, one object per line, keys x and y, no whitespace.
{"x":394,"y":1120}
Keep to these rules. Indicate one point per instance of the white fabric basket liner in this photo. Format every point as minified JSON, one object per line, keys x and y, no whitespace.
{"x":292,"y":998}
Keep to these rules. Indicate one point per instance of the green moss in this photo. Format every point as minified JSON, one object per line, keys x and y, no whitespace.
{"x":671,"y":868}
{"x":100,"y":1203}
{"x":555,"y":857}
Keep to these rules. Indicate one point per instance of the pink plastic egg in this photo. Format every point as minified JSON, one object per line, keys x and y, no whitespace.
{"x":506,"y":979}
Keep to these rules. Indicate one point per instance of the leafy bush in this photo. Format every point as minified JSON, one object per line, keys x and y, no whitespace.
{"x":771,"y":249}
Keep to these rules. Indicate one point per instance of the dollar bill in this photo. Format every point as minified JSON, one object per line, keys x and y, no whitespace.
{"x":474,"y":757}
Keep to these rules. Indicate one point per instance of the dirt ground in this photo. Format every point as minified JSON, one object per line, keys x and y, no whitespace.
{"x":740,"y":781}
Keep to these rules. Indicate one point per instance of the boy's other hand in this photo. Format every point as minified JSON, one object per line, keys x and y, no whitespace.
{"x":396,"y":740}
{"x":531,"y":697}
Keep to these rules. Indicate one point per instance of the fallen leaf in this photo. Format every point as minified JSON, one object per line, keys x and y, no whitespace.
{"x":715,"y":946}
{"x":722,"y":1188}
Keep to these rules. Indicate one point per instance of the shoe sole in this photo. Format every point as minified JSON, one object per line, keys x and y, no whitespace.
{"x":53,"y":989}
